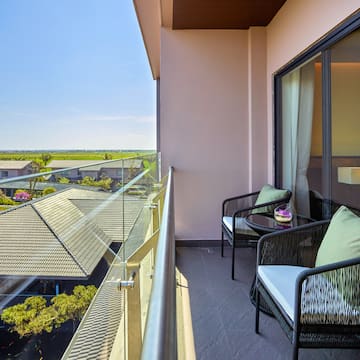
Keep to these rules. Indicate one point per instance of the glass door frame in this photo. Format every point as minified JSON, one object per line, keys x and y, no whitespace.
{"x":322,"y":47}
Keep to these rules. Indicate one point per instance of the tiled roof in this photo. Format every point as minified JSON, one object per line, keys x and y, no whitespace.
{"x":41,"y":185}
{"x":110,"y":218}
{"x":13,"y":164}
{"x":53,"y":237}
{"x":62,"y":164}
{"x":29,"y":248}
{"x":127,"y":163}
{"x":111,"y":164}
{"x":82,"y":238}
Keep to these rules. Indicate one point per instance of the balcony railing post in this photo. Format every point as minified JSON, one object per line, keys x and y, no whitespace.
{"x":133,"y":305}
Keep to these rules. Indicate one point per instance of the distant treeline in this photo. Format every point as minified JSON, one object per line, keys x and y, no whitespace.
{"x":71,"y":154}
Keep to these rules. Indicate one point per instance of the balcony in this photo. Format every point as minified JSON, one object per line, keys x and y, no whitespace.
{"x":138,"y":311}
{"x":216,"y":128}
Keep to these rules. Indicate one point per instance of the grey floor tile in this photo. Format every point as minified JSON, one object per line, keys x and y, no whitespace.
{"x":223,"y":316}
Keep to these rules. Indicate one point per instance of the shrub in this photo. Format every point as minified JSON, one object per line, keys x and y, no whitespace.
{"x":63,"y":180}
{"x":22,"y":195}
{"x":4,"y":200}
{"x":48,"y":190}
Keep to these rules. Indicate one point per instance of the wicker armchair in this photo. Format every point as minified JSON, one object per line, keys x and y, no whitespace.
{"x":315,"y":306}
{"x":234,"y":211}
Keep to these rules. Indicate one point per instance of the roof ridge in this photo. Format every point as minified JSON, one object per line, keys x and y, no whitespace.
{"x":84,"y":220}
{"x":58,"y":238}
{"x":91,"y":219}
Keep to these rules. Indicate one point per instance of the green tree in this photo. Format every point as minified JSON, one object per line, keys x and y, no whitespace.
{"x":84,"y":296}
{"x":107,"y":156}
{"x":66,"y":308}
{"x":73,"y":307}
{"x":37,"y":167}
{"x":33,"y":316}
{"x":105,"y":183}
{"x":44,"y":321}
{"x":132,"y":171}
{"x":21,"y":316}
{"x":46,"y":158}
{"x":151,"y":165}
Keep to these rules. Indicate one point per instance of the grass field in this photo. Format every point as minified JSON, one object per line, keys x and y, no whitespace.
{"x":70,"y":155}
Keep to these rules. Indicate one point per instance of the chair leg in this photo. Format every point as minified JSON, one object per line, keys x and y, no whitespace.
{"x":233,"y":262}
{"x":295,"y":352}
{"x":222,"y":244}
{"x":257,"y":309}
{"x":295,"y":349}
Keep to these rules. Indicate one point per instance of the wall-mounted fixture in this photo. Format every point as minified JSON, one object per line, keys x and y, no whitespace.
{"x":349,"y":175}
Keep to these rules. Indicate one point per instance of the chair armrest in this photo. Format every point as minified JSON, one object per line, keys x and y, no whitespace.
{"x":329,"y":294}
{"x":297,"y":246}
{"x":232,"y":204}
{"x":245,"y":211}
{"x":242,"y":205}
{"x":243,"y":196}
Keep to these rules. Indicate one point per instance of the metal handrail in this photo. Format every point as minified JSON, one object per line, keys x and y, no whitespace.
{"x":160,"y":332}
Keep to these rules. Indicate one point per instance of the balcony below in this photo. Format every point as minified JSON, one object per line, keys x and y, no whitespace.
{"x":223,"y":317}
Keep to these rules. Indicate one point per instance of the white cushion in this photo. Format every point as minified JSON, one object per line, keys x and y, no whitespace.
{"x":240,"y":226}
{"x":280,"y":281}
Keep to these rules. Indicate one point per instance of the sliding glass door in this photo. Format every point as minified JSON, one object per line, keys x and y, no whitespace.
{"x":345,"y":120}
{"x":318,"y":128}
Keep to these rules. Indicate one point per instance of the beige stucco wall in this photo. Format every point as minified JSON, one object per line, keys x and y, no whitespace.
{"x":297,"y":25}
{"x":204,"y":123}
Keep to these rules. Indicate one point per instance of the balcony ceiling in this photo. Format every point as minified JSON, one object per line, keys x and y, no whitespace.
{"x":223,"y":14}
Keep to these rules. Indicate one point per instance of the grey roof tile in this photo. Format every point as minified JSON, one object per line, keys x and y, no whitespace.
{"x":111,"y":217}
{"x":64,"y":234}
{"x":13,"y":164}
{"x":25,"y":242}
{"x":111,"y":164}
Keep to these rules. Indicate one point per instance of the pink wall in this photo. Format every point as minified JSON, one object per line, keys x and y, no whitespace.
{"x":216,"y":101}
{"x":257,"y":107}
{"x":204,"y":123}
{"x":297,"y":25}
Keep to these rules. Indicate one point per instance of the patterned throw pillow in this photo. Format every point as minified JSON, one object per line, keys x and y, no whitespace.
{"x":342,"y":242}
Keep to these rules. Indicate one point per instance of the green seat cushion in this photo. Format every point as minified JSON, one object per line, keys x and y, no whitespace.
{"x":342,"y":238}
{"x":342,"y":242}
{"x":268,"y":194}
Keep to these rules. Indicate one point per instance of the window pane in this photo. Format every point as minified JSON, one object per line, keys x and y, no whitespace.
{"x":345,"y":122}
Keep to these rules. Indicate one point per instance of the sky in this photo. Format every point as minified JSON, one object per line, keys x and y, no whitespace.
{"x":74,"y":75}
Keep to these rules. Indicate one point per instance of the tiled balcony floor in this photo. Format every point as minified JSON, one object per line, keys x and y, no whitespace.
{"x":223,"y":317}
